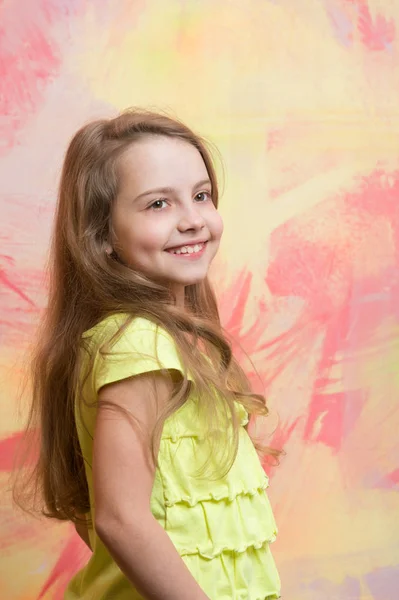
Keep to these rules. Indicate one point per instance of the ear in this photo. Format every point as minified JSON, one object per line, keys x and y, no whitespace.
{"x":108,"y":249}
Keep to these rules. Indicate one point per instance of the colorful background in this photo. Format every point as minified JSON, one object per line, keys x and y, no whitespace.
{"x":301,"y":97}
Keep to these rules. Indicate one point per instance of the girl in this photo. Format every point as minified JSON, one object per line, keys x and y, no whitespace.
{"x":142,"y":407}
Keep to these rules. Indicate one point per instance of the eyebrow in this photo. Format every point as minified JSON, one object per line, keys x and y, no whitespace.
{"x":170,"y":190}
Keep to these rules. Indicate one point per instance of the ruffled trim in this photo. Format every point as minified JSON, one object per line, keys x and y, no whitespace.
{"x":251,"y":574}
{"x":221,"y":525}
{"x":218,"y":497}
{"x":179,"y":467}
{"x":217,"y":551}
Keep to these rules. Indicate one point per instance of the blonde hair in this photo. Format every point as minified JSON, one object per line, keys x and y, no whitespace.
{"x":85,"y":286}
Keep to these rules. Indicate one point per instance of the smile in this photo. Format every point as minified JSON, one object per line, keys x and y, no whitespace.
{"x":188,"y":251}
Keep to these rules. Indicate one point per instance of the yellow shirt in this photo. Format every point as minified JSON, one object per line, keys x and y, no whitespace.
{"x":222,"y":529}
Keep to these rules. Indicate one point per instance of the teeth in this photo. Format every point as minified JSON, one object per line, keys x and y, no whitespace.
{"x":189,"y":249}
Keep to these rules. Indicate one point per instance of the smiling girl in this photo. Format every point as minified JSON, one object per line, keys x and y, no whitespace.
{"x":142,"y":407}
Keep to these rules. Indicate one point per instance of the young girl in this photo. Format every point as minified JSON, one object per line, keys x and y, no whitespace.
{"x":142,"y":407}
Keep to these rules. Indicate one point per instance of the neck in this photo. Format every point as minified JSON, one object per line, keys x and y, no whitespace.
{"x":180,"y":296}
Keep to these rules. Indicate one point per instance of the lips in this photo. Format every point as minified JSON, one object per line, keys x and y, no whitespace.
{"x":193,"y":243}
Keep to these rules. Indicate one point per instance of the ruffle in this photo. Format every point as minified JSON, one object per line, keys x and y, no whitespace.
{"x":217,"y":551}
{"x":223,"y":526}
{"x":218,"y":496}
{"x":183,"y":482}
{"x":212,"y":527}
{"x":249,"y":575}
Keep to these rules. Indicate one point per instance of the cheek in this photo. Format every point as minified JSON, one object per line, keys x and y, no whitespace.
{"x":149,"y":241}
{"x":217,"y":225}
{"x":143,"y":238}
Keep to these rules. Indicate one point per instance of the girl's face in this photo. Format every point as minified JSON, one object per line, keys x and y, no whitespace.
{"x":165,"y":223}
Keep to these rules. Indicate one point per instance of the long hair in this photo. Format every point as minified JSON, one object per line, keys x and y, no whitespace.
{"x":85,"y":286}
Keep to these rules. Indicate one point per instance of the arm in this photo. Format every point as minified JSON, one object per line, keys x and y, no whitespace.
{"x":123,"y":475}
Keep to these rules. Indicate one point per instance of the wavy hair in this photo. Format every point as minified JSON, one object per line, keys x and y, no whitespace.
{"x":85,"y":286}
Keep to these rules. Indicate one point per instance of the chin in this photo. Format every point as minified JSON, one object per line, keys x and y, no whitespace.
{"x":191,"y":281}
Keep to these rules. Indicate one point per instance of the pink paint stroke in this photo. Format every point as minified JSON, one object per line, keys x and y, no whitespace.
{"x":8,"y":283}
{"x":376,"y":34}
{"x":11,"y":449}
{"x":69,"y":562}
{"x":30,"y":57}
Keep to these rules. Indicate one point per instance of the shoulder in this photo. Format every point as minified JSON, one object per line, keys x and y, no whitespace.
{"x":123,"y":329}
{"x":113,"y":323}
{"x":124,"y":346}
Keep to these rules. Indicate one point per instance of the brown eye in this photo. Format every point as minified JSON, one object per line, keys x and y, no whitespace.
{"x":203,"y":196}
{"x":158,"y":204}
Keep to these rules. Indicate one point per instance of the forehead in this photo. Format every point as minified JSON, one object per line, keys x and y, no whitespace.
{"x":157,"y":161}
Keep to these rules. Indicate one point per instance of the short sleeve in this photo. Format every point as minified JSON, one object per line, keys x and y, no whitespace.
{"x":141,"y":347}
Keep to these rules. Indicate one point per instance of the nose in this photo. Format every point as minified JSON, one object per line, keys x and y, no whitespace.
{"x":191,"y":219}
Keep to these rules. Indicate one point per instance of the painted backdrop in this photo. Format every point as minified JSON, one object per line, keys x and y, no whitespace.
{"x":301,"y":97}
